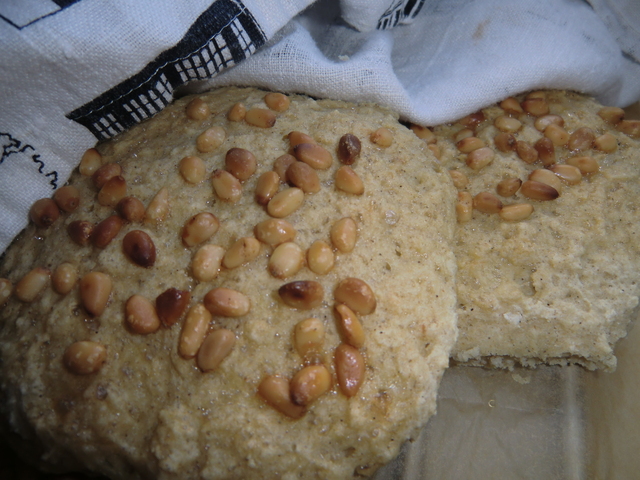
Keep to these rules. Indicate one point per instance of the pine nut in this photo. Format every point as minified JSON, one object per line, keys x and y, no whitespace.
{"x":511,"y":105}
{"x":226,"y":186}
{"x":546,"y":176}
{"x":276,"y":392}
{"x":90,"y":162}
{"x":302,"y":294}
{"x":192,"y":169}
{"x":435,"y":149}
{"x":80,"y":232}
{"x":215,"y":348}
{"x":508,"y":187}
{"x":277,"y":101}
{"x":267,"y":187}
{"x":139,"y":248}
{"x":95,"y":288}
{"x":158,"y":208}
{"x":356,"y":295}
{"x":67,"y":198}
{"x":538,"y":191}
{"x":546,"y":151}
{"x":462,"y":134}
{"x":423,"y":133}
{"x":487,"y":202}
{"x":460,"y":180}
{"x":313,"y":155}
{"x":44,"y":212}
{"x":308,"y":337}
{"x":535,"y":106}
{"x":558,"y":135}
{"x":64,"y":278}
{"x":199,"y":228}
{"x":227,"y":302}
{"x":286,"y":260}
{"x":349,"y":326}
{"x":84,"y":358}
{"x":464,"y":207}
{"x":587,"y":165}
{"x":349,"y":147}
{"x":241,"y":252}
{"x":296,"y":138}
{"x":581,"y":139}
{"x":350,"y":369}
{"x":285,"y":202}
{"x":194,"y":331}
{"x":348,"y":181}
{"x":567,"y":173}
{"x":114,"y":190}
{"x":30,"y":286}
{"x":382,"y":137}
{"x":320,"y":258}
{"x":237,"y":112}
{"x":472,"y":120}
{"x":241,"y":163}
{"x":197,"y":109}
{"x":606,"y":143}
{"x":104,"y":173}
{"x":507,"y":124}
{"x":171,"y":305}
{"x":469,"y":144}
{"x":612,"y":115}
{"x":260,"y":117}
{"x":210,"y":139}
{"x":536,"y":94}
{"x":505,"y":142}
{"x":140,"y":315}
{"x":6,"y":288}
{"x":526,"y":152}
{"x":206,"y":262}
{"x":106,"y":231}
{"x":630,"y":128}
{"x":282,"y":164}
{"x":544,"y":121}
{"x":516,"y":212}
{"x":309,"y":384}
{"x":480,"y":158}
{"x":274,"y":231}
{"x":131,"y":209}
{"x":344,"y":234}
{"x":303,"y":176}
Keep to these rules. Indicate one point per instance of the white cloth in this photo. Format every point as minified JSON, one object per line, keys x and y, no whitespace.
{"x":74,"y":70}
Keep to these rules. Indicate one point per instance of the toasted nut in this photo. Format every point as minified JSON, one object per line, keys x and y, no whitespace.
{"x":526,"y":152}
{"x":538,"y":191}
{"x":350,"y":369}
{"x":192,"y":169}
{"x":487,"y":202}
{"x":194,"y":331}
{"x":320,"y":258}
{"x":84,"y":358}
{"x":6,"y":288}
{"x":511,"y":105}
{"x":349,"y":148}
{"x":285,"y":202}
{"x":237,"y":112}
{"x":567,"y":173}
{"x":131,"y":209}
{"x":587,"y":165}
{"x":423,"y":133}
{"x":260,"y":117}
{"x":211,"y":139}
{"x":296,"y":138}
{"x":348,"y":181}
{"x":277,"y":101}
{"x":64,"y":278}
{"x":44,"y":212}
{"x":106,"y":231}
{"x":581,"y":139}
{"x":274,"y":231}
{"x":516,"y":212}
{"x":630,"y":128}
{"x":275,"y":391}
{"x":508,"y":187}
{"x":90,"y":162}
{"x":464,"y":207}
{"x":303,"y":294}
{"x":95,"y":288}
{"x":303,"y":176}
{"x":480,"y":158}
{"x":544,"y":121}
{"x":462,"y":134}
{"x":197,"y":109}
{"x":546,"y":176}
{"x":507,"y":124}
{"x":314,"y":155}
{"x":226,"y":186}
{"x":199,"y":228}
{"x":267,"y":187}
{"x":469,"y":144}
{"x":30,"y":286}
{"x":114,"y":190}
{"x":67,"y":198}
{"x":241,"y":163}
{"x":158,"y":208}
{"x":227,"y":302}
{"x":382,"y":137}
{"x":140,"y":315}
{"x":206,"y":262}
{"x":435,"y":149}
{"x":80,"y":232}
{"x":536,"y":94}
{"x":349,"y":326}
{"x":356,"y":295}
{"x":282,"y":164}
{"x":215,"y":348}
{"x":612,"y":115}
{"x":535,"y":106}
{"x":606,"y":143}
{"x":546,"y":151}
{"x":505,"y":142}
{"x":171,"y":305}
{"x":460,"y":180}
{"x":286,"y":260}
{"x":558,"y":135}
{"x":105,"y":173}
{"x":344,"y":234}
{"x":139,"y":248}
{"x":472,"y":120}
{"x":241,"y":252}
{"x":308,"y":337}
{"x":309,"y":384}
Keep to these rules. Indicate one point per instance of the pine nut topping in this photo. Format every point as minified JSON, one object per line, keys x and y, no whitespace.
{"x":199,"y":228}
{"x":313,"y":155}
{"x":114,"y":190}
{"x":460,"y":180}
{"x":211,"y":139}
{"x":487,"y":202}
{"x":507,"y":124}
{"x":241,"y":163}
{"x":546,"y":151}
{"x":106,"y":231}
{"x":237,"y":112}
{"x":558,"y":135}
{"x":537,"y":94}
{"x":423,"y":133}
{"x":302,"y":294}
{"x":464,"y":207}
{"x":197,"y":109}
{"x":104,"y":173}
{"x":131,"y":209}
{"x":267,"y":186}
{"x":526,"y":152}
{"x":6,"y":288}
{"x":296,"y":138}
{"x":260,"y":117}
{"x":344,"y":234}
{"x":349,"y":148}
{"x":511,"y":105}
{"x":472,"y":120}
{"x":462,"y":134}
{"x":587,"y":165}
{"x":303,"y":176}
{"x":508,"y":187}
{"x":30,"y":286}
{"x":350,"y":369}
{"x":64,"y":278}
{"x":44,"y":212}
{"x":435,"y":149}
{"x":382,"y":137}
{"x":606,"y":143}
{"x":546,"y":176}
{"x":139,"y":248}
{"x":90,"y":162}
{"x":282,"y":164}
{"x":309,"y":384}
{"x":194,"y":331}
{"x":158,"y":208}
{"x":171,"y":305}
{"x":286,"y":260}
{"x":480,"y":158}
{"x":140,"y":315}
{"x":567,"y":173}
{"x":308,"y":338}
{"x":206,"y":262}
{"x":505,"y":142}
{"x":192,"y":169}
{"x":538,"y":191}
{"x":80,"y":232}
{"x":95,"y":288}
{"x":535,"y":106}
{"x":356,"y":295}
{"x":285,"y":202}
{"x":84,"y":358}
{"x":516,"y":212}
{"x":544,"y":121}
{"x":349,"y":326}
{"x":320,"y":258}
{"x":227,"y":302}
{"x":241,"y":252}
{"x":67,"y":198}
{"x":612,"y":115}
{"x":630,"y":128}
{"x":215,"y":348}
{"x":582,"y":139}
{"x":277,"y":101}
{"x":274,"y":231}
{"x":348,"y":181}
{"x":226,"y":186}
{"x":275,"y":391}
{"x":469,"y":144}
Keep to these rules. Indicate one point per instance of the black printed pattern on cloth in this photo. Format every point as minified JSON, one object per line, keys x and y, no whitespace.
{"x":400,"y":11}
{"x":16,"y":150}
{"x":22,"y":14}
{"x":224,"y":35}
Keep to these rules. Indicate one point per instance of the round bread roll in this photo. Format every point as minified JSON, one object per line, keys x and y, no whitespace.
{"x":184,"y":312}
